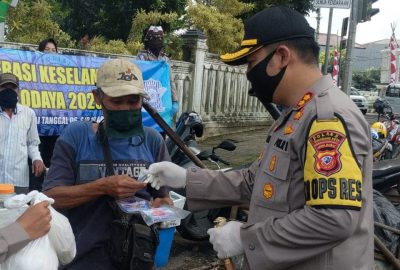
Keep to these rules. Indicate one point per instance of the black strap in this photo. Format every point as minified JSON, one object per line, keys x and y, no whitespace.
{"x":103,"y":140}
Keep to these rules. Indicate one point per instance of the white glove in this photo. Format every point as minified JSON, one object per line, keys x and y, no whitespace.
{"x":166,"y":173}
{"x":226,"y":240}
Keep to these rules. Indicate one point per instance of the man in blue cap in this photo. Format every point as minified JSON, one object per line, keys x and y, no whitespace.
{"x":310,"y":191}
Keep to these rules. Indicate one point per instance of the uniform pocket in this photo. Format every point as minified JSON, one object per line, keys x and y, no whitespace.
{"x":273,"y":182}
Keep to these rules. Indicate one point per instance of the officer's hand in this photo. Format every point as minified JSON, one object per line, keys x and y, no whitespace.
{"x":36,"y":220}
{"x":38,"y":168}
{"x":226,"y":240}
{"x":160,"y":201}
{"x":121,"y":186}
{"x":166,"y":173}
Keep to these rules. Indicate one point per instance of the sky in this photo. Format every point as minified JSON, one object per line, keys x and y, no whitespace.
{"x":376,"y":29}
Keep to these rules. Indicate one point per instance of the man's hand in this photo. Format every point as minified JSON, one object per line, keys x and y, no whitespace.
{"x":160,"y":201}
{"x":226,"y":240}
{"x":38,"y":167}
{"x":36,"y":220}
{"x":121,"y":186}
{"x":166,"y":173}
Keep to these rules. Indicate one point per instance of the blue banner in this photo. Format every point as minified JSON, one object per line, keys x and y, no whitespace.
{"x":59,"y":87}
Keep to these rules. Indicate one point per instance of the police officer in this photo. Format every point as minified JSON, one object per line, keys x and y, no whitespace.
{"x":153,"y":40}
{"x":310,"y":191}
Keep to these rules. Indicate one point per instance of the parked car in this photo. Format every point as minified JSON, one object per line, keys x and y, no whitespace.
{"x":359,"y":100}
{"x":392,"y":96}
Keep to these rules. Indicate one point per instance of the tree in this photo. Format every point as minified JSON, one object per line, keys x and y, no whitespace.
{"x":218,"y":20}
{"x":366,"y":80}
{"x":302,"y":6}
{"x":31,"y":22}
{"x":110,"y":19}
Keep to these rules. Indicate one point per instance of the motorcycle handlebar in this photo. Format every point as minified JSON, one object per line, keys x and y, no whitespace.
{"x":217,"y":158}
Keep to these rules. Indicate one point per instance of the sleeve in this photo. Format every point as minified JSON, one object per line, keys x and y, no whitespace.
{"x":12,"y":239}
{"x":63,"y":170}
{"x":332,"y":180}
{"x":207,"y":189}
{"x":33,"y":140}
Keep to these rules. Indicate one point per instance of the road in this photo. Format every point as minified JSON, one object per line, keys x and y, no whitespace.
{"x":191,"y":255}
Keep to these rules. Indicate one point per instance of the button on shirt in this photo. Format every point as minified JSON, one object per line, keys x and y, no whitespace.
{"x":19,"y":139}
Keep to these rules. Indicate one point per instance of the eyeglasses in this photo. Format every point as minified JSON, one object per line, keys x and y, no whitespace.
{"x":155,"y":29}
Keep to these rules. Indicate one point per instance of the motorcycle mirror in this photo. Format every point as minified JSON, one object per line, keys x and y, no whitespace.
{"x":227,"y":145}
{"x":204,"y":155}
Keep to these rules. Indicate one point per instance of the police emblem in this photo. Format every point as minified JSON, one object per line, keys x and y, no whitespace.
{"x":268,"y":191}
{"x":326,"y":144}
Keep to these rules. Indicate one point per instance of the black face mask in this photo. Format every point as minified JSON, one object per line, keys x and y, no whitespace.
{"x":155,"y":45}
{"x":263,"y":86}
{"x":8,"y":99}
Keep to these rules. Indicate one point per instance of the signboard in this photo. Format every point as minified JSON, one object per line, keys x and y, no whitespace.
{"x":332,"y":4}
{"x":59,"y":87}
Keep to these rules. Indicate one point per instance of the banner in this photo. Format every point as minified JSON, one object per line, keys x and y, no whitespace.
{"x":59,"y":87}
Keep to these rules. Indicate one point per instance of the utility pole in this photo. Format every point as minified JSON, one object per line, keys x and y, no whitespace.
{"x":328,"y":42}
{"x":318,"y":24}
{"x":348,"y":76}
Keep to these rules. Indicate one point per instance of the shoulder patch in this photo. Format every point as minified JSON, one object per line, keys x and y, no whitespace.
{"x":332,"y":176}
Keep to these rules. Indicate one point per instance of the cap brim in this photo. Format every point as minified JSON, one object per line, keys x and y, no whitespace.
{"x":124,"y":90}
{"x":8,"y":81}
{"x":240,"y":56}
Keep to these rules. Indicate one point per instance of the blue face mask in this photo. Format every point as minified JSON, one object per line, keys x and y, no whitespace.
{"x":8,"y":99}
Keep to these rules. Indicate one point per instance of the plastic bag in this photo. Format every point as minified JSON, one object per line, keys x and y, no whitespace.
{"x":43,"y":253}
{"x":163,"y":213}
{"x":62,"y":237}
{"x":37,"y":255}
{"x":386,"y":213}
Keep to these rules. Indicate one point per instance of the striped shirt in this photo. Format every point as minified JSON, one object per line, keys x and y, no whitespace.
{"x":19,"y":139}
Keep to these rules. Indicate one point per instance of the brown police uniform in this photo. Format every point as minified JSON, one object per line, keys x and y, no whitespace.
{"x":310,"y":192}
{"x":12,"y":238}
{"x":146,"y":55}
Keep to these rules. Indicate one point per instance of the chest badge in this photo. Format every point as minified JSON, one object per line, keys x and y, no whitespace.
{"x":272,"y":163}
{"x":268,"y":191}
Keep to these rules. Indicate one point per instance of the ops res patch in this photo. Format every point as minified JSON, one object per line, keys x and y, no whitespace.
{"x":332,"y":177}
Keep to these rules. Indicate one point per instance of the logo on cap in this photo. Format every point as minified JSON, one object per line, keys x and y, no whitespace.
{"x":127,"y":76}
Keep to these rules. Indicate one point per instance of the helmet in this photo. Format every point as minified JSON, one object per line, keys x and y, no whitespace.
{"x":380,"y":128}
{"x":374,"y":134}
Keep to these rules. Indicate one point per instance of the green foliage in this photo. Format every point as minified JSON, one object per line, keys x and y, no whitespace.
{"x":302,"y":6}
{"x":217,"y":21}
{"x":366,"y":80}
{"x":31,"y":22}
{"x":111,"y":19}
{"x":100,"y":44}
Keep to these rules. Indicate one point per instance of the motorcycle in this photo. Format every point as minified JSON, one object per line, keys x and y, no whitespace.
{"x":393,"y":129}
{"x":189,"y":127}
{"x":381,"y":148}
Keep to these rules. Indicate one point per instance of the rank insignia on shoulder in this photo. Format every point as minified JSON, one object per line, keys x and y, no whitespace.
{"x":268,"y":191}
{"x":288,"y":129}
{"x":304,"y":100}
{"x":272,"y":163}
{"x":299,"y":114}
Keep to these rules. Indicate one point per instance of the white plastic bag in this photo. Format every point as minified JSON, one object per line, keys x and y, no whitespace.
{"x":43,"y":253}
{"x":37,"y":255}
{"x":61,"y":237}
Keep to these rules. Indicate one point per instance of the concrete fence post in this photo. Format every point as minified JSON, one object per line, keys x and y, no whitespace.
{"x":194,"y":51}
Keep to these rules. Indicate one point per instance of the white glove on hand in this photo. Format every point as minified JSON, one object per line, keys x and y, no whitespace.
{"x":166,"y":173}
{"x":226,"y":240}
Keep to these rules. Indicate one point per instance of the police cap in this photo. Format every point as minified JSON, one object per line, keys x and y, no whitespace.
{"x":269,"y":26}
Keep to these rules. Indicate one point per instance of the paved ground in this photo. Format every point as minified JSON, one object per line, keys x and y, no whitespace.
{"x":191,"y":255}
